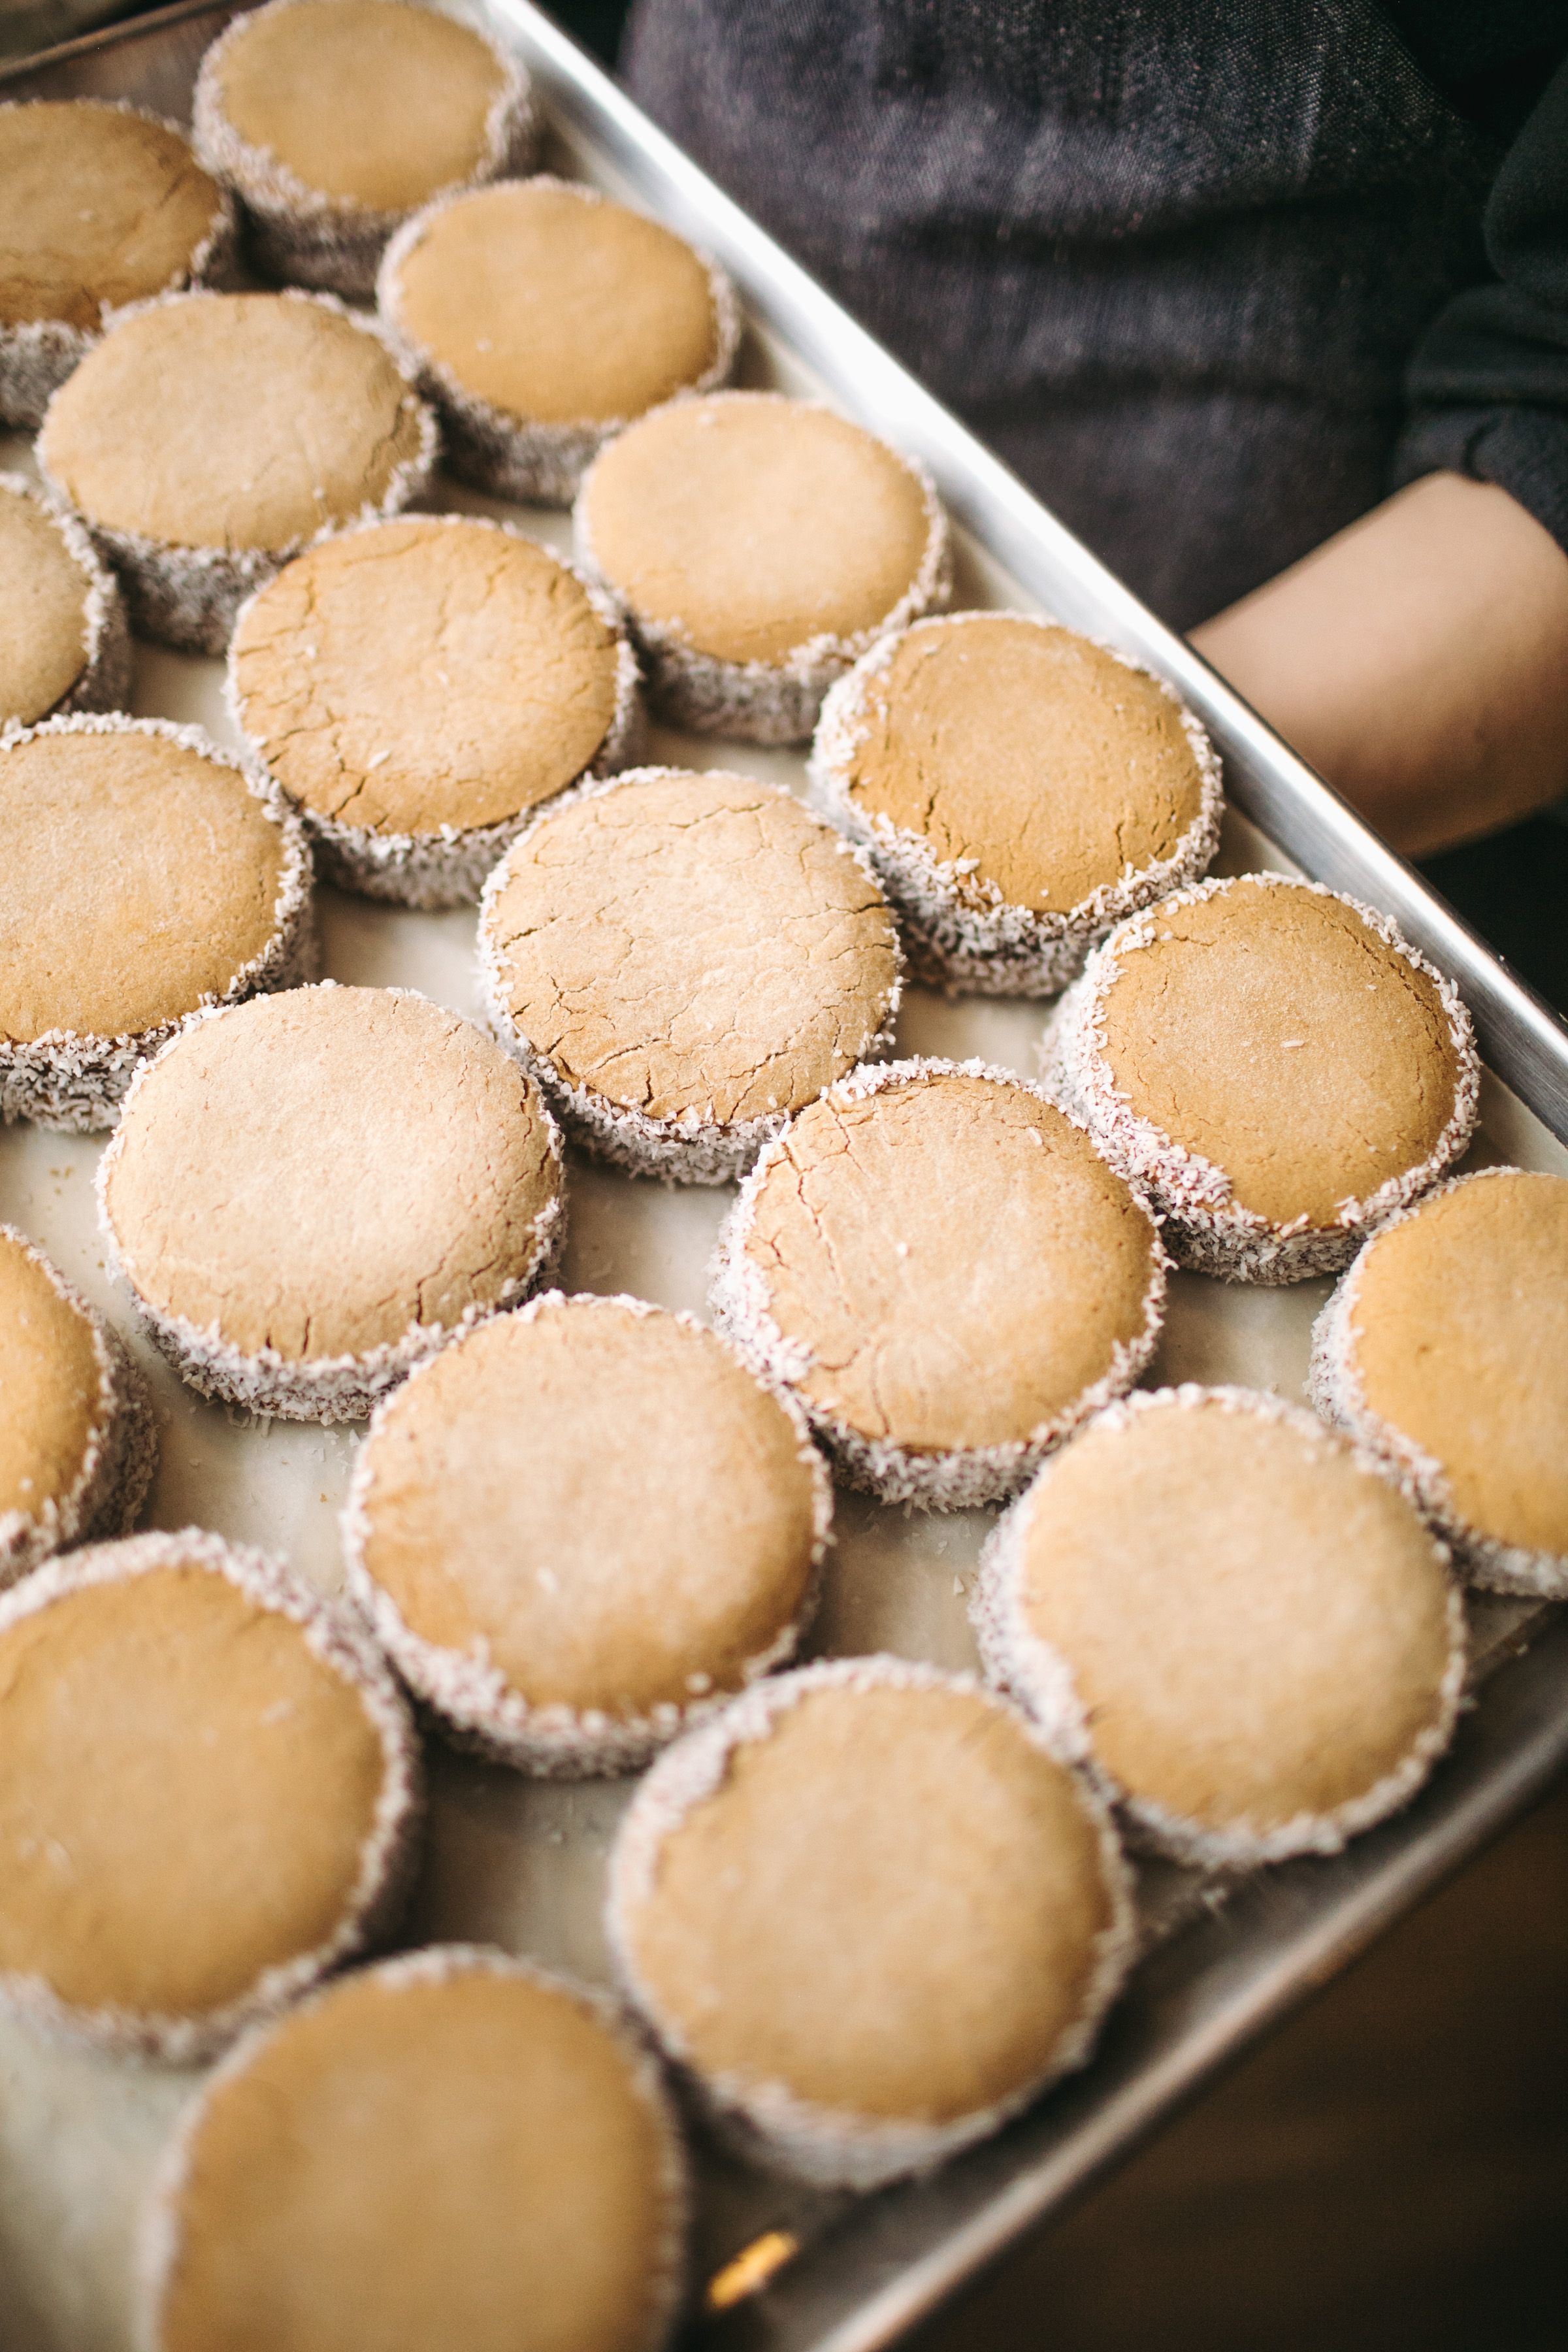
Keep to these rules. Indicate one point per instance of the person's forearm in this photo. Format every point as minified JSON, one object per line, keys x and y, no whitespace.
{"x":1419,"y":660}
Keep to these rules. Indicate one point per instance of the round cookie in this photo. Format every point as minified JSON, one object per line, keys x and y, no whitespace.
{"x":682,"y":960}
{"x":309,"y":1193}
{"x":1444,"y":1350}
{"x":1276,"y":1064}
{"x":147,"y":876}
{"x":759,"y":546}
{"x":1019,"y":790}
{"x":64,"y":645}
{"x":542,"y":318}
{"x":868,"y":1915}
{"x":333,"y":120}
{"x":1231,"y":1620}
{"x":452,"y":2147}
{"x":78,"y":1440}
{"x":417,"y":687}
{"x":933,"y":1258}
{"x":582,"y":1526}
{"x":208,"y":437}
{"x":100,"y":205}
{"x":208,"y":1784}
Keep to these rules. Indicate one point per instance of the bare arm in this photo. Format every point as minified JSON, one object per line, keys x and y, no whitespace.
{"x":1419,"y":660}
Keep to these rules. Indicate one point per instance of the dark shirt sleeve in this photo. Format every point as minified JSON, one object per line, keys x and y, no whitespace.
{"x":1487,"y":384}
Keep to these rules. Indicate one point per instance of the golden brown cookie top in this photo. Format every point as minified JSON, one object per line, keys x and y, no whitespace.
{"x":233,"y":421}
{"x":953,"y":1255}
{"x":427,"y":2153}
{"x":97,"y":206}
{"x":53,"y":1400}
{"x":141,"y":878}
{"x":890,"y":1906}
{"x":175,"y":1749}
{"x":692,"y":945}
{"x":371,"y":102}
{"x":1270,"y":1029}
{"x":1026,"y":749}
{"x":1458,"y":1338}
{"x":319,"y":1171}
{"x":555,"y":306}
{"x":1256,"y":1626}
{"x":749,"y":525}
{"x":601,"y":1496}
{"x":424,"y":673}
{"x":44,"y":595}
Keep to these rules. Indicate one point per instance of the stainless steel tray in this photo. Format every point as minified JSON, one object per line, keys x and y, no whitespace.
{"x":520,"y":1863}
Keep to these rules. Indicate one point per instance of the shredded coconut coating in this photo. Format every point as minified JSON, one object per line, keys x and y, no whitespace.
{"x":480,"y":1710}
{"x":537,"y":463}
{"x":1207,"y":1228}
{"x":764,"y":2122}
{"x":301,"y":235}
{"x":961,"y":932}
{"x":961,"y":1478}
{"x":1337,"y":1393}
{"x":77,"y":1083}
{"x":335,"y":1636}
{"x":188,"y":597}
{"x":767,"y":701}
{"x":1039,"y":1677}
{"x":37,"y":355}
{"x":106,"y":1496}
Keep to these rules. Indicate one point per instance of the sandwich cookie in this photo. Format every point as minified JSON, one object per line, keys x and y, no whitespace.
{"x":543,"y":318}
{"x":682,"y":960}
{"x":1444,"y":1350}
{"x":100,"y":205}
{"x":1019,"y":790}
{"x":418,"y":688}
{"x":1231,"y":1620}
{"x":1276,"y":1064}
{"x":933,"y":1258}
{"x":583,"y":1524}
{"x":208,"y":1784}
{"x":147,"y":876}
{"x":870,"y":1917}
{"x":208,"y":437}
{"x":78,"y":1440}
{"x":759,"y":546}
{"x":448,"y":2149}
{"x":64,"y":645}
{"x":333,"y":120}
{"x":309,"y":1194}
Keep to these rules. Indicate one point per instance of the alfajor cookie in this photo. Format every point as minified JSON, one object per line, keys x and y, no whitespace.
{"x":78,"y":1441}
{"x":682,"y":960}
{"x":207,"y":1788}
{"x":418,"y":688}
{"x":542,"y":318}
{"x":1444,"y":1350}
{"x":100,"y":205}
{"x":208,"y":437}
{"x":936,"y":1260}
{"x":870,"y":1917}
{"x":1019,"y":790}
{"x":583,"y":1524}
{"x":450,"y":2148}
{"x":1232,"y":1619}
{"x":309,"y":1193}
{"x":148,"y":875}
{"x":63,"y":644}
{"x":333,"y":120}
{"x":758,"y":545}
{"x":1276,"y":1064}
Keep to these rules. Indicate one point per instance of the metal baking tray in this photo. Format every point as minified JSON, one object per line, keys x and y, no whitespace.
{"x":520,"y":1863}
